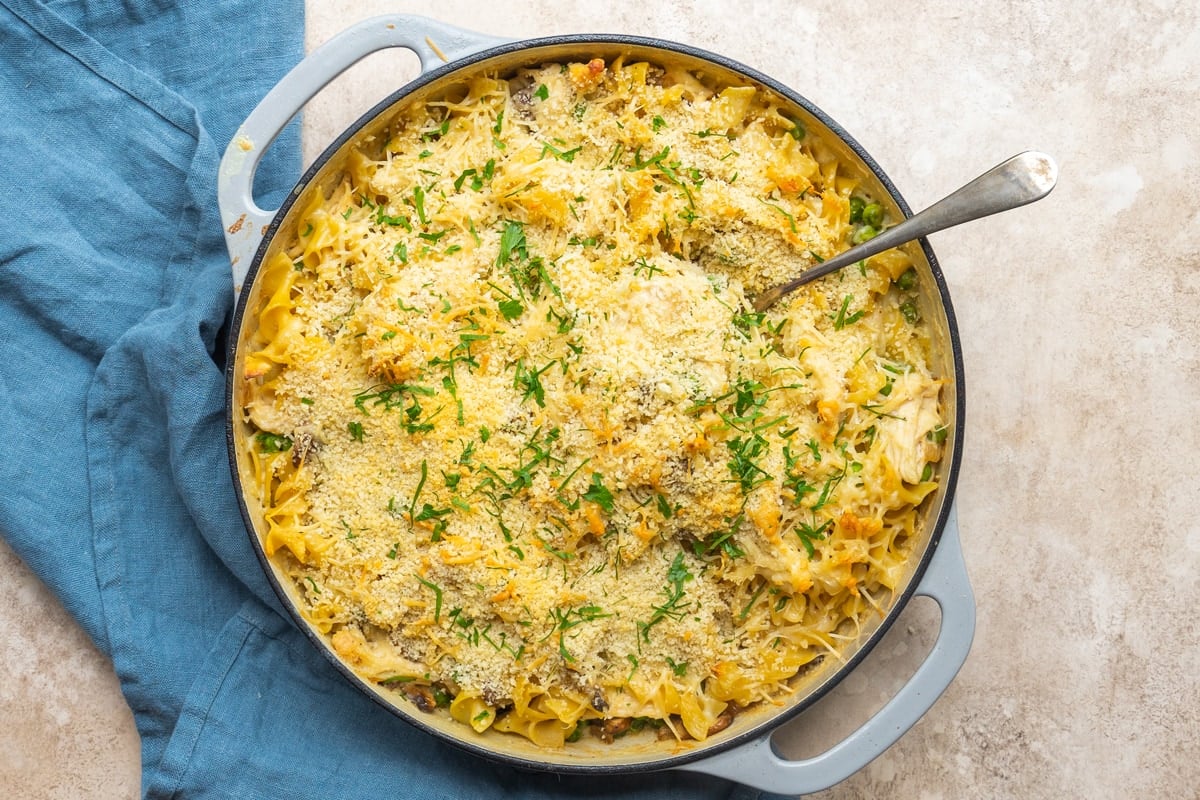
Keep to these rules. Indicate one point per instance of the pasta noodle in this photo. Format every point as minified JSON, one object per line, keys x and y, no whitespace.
{"x":522,"y":444}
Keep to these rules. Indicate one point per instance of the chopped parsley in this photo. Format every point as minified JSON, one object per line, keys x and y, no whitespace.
{"x":512,"y":243}
{"x":511,"y":309}
{"x":673,"y":607}
{"x":809,"y":533}
{"x":273,"y":442}
{"x":842,"y":319}
{"x":598,"y":494}
{"x":437,"y":596}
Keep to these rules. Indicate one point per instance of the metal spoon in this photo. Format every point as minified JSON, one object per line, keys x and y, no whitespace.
{"x":1020,"y":180}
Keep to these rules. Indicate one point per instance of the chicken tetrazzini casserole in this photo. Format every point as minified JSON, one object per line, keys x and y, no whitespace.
{"x":522,"y":444}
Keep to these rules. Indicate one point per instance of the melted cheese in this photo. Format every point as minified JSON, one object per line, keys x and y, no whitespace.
{"x":526,"y":441}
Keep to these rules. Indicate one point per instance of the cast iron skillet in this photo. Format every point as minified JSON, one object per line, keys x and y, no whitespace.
{"x":743,"y":751}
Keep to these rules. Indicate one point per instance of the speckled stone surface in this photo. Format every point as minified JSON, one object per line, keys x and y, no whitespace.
{"x":1080,"y":322}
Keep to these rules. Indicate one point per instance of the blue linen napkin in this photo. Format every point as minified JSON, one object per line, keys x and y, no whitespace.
{"x":114,"y":484}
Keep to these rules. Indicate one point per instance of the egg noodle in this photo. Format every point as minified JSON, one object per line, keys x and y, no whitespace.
{"x":524,"y":447}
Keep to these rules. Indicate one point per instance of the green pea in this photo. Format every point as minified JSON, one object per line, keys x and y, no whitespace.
{"x":909,"y":309}
{"x":857,"y":204}
{"x":863,"y":234}
{"x":872,"y":214}
{"x":273,"y":442}
{"x":907,"y":280}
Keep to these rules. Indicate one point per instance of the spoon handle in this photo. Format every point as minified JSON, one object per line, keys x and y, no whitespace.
{"x":1022,"y":179}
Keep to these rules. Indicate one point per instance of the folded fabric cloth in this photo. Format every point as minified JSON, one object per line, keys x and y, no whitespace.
{"x":114,"y":290}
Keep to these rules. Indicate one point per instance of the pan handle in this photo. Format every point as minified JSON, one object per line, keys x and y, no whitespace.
{"x":758,"y":765}
{"x":433,"y":42}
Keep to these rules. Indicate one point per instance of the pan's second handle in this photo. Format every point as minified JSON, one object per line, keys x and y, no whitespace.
{"x":434,"y":43}
{"x":757,"y":764}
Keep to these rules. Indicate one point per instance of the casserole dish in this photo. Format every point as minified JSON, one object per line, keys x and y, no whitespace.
{"x":741,"y":751}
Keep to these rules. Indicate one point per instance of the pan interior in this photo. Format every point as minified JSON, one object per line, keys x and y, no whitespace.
{"x":642,"y":750}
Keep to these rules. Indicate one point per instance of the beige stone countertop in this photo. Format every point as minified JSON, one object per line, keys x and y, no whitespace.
{"x":1080,"y":326}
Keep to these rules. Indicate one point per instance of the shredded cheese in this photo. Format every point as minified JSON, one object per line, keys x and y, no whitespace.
{"x":524,"y":446}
